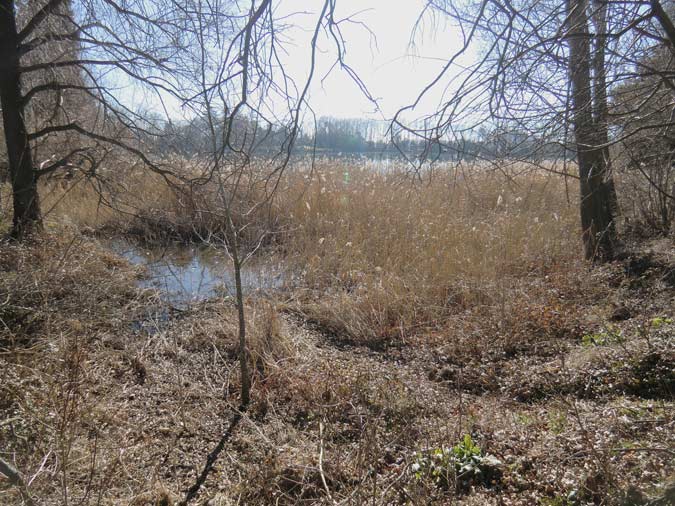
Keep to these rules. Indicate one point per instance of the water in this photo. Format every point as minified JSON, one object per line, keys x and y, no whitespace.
{"x":183,"y":274}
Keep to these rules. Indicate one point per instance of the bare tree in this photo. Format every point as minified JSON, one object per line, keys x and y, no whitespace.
{"x":545,"y":70}
{"x":252,"y":108}
{"x":589,"y":119}
{"x":221,"y":62}
{"x":24,"y":184}
{"x":56,"y":50}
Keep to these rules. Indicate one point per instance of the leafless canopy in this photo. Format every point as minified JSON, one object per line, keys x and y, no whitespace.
{"x":519,"y":81}
{"x":549,"y":81}
{"x":106,"y":75}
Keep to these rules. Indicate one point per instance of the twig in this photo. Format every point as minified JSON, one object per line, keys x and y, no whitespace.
{"x":644,"y":449}
{"x":321,"y":473}
{"x":42,"y":466}
{"x":211,"y":459}
{"x":16,"y":479}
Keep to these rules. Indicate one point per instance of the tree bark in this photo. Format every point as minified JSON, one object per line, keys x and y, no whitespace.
{"x":600,"y":106}
{"x":244,"y":353}
{"x":664,"y":20}
{"x":595,"y":205}
{"x":243,"y":345}
{"x":27,"y":215}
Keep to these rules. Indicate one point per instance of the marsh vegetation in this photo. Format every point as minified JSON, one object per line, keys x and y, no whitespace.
{"x":409,"y":317}
{"x":203,"y":301}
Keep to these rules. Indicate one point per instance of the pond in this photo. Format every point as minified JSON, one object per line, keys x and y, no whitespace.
{"x":185,"y":274}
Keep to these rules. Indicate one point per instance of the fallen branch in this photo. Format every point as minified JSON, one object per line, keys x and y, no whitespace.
{"x":321,"y":473}
{"x":644,"y":449}
{"x":16,"y":479}
{"x":211,"y":459}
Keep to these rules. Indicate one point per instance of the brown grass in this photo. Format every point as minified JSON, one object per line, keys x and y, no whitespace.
{"x":467,"y":291}
{"x":381,"y":254}
{"x":385,"y":256}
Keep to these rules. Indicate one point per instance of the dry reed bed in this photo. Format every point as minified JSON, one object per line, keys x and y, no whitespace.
{"x":384,"y":256}
{"x":378,"y":252}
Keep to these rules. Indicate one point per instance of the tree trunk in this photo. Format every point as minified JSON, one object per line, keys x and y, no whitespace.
{"x":243,"y":345}
{"x":244,"y":354}
{"x":595,"y":205}
{"x":600,"y":107}
{"x":22,"y":176}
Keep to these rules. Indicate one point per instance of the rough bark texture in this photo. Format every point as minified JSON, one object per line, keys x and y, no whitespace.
{"x":600,"y":105}
{"x":21,"y":173}
{"x":597,"y":220}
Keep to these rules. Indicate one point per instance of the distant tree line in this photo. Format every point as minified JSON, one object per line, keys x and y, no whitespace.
{"x":332,"y":136}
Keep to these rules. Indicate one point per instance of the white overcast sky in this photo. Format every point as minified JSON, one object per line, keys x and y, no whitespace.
{"x":393,"y":70}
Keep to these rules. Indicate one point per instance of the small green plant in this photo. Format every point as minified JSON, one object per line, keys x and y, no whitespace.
{"x":557,"y":501}
{"x":557,"y":421}
{"x":525,"y":419}
{"x":462,"y":464}
{"x":603,"y":338}
{"x":659,"y":322}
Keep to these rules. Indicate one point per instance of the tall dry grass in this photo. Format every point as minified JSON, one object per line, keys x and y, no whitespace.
{"x":134,"y":201}
{"x":379,"y":254}
{"x":384,"y":255}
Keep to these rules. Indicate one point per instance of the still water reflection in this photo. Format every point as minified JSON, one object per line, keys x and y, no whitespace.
{"x":183,"y":274}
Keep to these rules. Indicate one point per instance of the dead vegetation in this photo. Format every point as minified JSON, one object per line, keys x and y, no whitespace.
{"x":418,"y":317}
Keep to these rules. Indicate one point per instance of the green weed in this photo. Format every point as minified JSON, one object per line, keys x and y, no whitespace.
{"x":606,"y":337}
{"x":461,"y":464}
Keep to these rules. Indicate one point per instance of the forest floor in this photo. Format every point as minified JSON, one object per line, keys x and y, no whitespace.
{"x":566,"y":398}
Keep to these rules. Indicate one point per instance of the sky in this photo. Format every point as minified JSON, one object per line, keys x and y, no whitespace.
{"x":393,"y":69}
{"x":393,"y":57}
